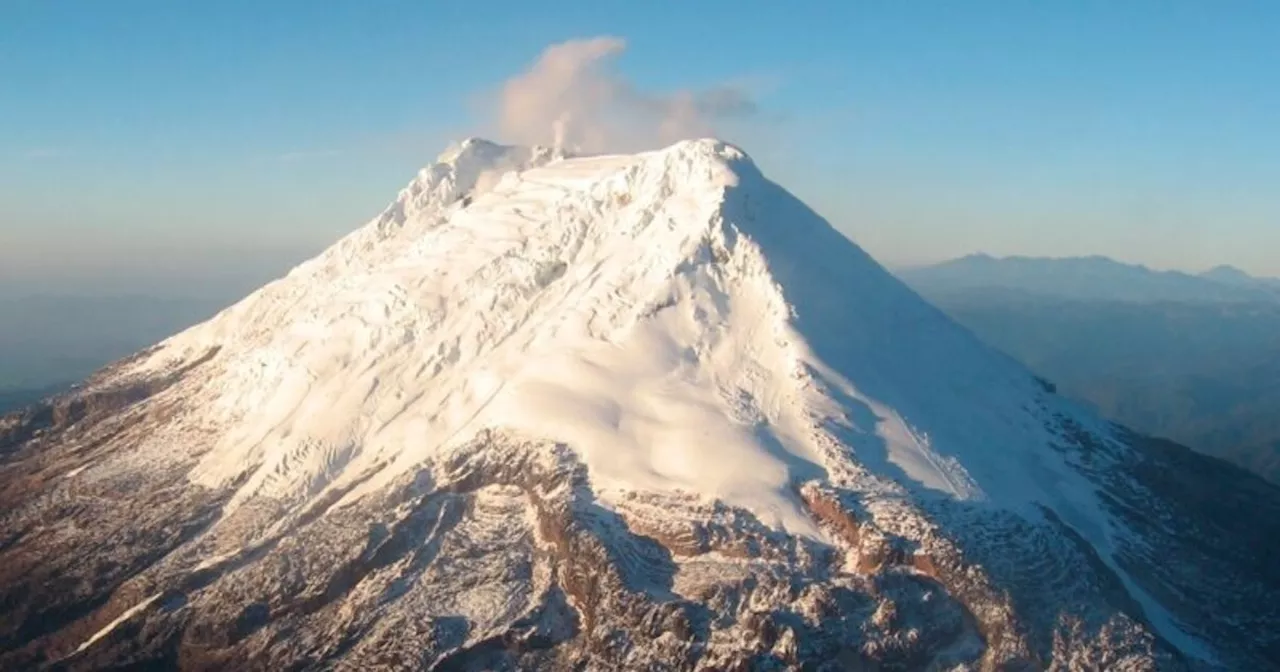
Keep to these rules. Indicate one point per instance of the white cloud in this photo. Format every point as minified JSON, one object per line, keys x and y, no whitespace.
{"x":573,"y":96}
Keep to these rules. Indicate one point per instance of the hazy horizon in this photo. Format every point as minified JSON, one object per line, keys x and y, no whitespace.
{"x":214,"y":279}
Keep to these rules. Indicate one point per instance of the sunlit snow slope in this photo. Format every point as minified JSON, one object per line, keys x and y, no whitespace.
{"x":606,"y":303}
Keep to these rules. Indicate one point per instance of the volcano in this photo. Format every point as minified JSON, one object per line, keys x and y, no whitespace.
{"x":634,"y":412}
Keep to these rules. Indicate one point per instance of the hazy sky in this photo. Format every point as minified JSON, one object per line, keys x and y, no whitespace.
{"x":147,"y":144}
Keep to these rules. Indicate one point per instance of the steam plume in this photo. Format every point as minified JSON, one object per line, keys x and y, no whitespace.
{"x":573,"y":97}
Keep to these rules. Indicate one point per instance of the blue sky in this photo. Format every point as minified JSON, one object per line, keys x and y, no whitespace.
{"x":160,"y":142}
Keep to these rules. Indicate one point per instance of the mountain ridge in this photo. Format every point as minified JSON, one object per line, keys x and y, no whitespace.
{"x":1088,"y":278}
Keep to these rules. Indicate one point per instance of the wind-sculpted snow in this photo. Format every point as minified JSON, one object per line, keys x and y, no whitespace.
{"x":619,"y":412}
{"x":580,"y":302}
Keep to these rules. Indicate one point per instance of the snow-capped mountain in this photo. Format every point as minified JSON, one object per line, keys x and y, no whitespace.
{"x":613,"y":412}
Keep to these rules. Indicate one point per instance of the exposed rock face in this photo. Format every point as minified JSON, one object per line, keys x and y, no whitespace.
{"x":279,"y":489}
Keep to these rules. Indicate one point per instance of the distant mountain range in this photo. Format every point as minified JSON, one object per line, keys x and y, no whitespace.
{"x":1195,"y":358}
{"x":47,"y":342}
{"x":1088,"y":278}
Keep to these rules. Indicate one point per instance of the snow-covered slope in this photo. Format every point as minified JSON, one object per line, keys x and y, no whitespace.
{"x":605,"y":303}
{"x":549,"y":403}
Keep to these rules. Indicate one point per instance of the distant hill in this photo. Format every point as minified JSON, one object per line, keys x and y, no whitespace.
{"x":1230,"y":275}
{"x":1087,"y":278}
{"x":1199,"y":363}
{"x":48,"y":340}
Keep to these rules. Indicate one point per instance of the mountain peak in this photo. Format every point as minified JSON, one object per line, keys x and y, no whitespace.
{"x":709,"y":147}
{"x":1227,"y":273}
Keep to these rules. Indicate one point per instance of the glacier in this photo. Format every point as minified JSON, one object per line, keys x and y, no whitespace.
{"x":578,"y":301}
